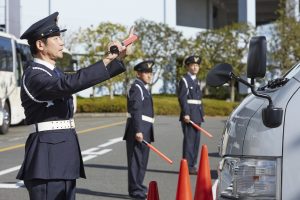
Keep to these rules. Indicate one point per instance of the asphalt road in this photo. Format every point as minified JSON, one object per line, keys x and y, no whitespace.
{"x":104,"y":155}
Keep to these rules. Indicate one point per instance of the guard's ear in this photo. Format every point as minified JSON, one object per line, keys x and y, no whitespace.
{"x":40,"y":45}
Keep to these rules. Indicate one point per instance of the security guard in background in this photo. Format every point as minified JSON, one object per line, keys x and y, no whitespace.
{"x":53,"y":158}
{"x":139,"y":127}
{"x":189,"y":96}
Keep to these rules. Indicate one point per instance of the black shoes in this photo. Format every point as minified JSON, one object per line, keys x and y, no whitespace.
{"x":193,"y":171}
{"x":138,"y":196}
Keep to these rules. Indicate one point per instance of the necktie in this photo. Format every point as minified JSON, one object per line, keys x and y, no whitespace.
{"x":70,"y":100}
{"x":57,"y":72}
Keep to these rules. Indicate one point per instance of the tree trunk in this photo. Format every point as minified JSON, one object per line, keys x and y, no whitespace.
{"x":111,"y":91}
{"x":232,"y":92}
{"x":93,"y":91}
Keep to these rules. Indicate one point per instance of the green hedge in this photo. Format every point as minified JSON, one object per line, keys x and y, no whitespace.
{"x":163,"y":105}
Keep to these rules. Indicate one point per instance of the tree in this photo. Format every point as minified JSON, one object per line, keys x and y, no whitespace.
{"x":95,"y":40}
{"x":161,"y":43}
{"x":225,"y":45}
{"x":285,"y":43}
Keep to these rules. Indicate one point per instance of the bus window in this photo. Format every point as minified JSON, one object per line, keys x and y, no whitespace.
{"x":23,"y":57}
{"x":6,"y":55}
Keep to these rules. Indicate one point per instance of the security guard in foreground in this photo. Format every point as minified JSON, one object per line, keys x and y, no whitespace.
{"x":53,"y":158}
{"x":139,"y":127}
{"x":189,"y":96}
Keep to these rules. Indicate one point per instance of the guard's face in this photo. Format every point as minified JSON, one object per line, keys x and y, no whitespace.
{"x":53,"y":49}
{"x":146,"y":77}
{"x":193,"y":68}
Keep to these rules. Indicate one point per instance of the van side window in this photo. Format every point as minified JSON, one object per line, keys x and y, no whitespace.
{"x":6,"y":55}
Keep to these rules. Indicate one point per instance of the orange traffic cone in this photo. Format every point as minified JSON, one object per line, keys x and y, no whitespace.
{"x":184,"y":191}
{"x":203,"y":186}
{"x":153,"y":191}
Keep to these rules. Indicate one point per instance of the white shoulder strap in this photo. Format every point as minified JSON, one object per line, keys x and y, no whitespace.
{"x":186,"y":85}
{"x":185,"y":82}
{"x":49,"y":103}
{"x":141,"y":91}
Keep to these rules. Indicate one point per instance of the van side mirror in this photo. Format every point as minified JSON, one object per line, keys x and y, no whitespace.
{"x":256,"y":68}
{"x":256,"y":62}
{"x":272,"y":117}
{"x":219,"y":75}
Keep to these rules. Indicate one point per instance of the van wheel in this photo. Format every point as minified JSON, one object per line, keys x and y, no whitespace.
{"x":6,"y":119}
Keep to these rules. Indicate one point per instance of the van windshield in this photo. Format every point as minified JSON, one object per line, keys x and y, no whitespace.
{"x":293,"y":71}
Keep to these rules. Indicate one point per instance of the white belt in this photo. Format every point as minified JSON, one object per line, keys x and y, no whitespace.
{"x":144,"y":118}
{"x":53,"y":125}
{"x":194,"y":101}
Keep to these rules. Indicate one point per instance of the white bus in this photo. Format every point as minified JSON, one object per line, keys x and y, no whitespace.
{"x":14,"y":54}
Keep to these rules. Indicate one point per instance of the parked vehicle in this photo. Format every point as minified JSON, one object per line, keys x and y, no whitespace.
{"x":14,"y":54}
{"x":260,"y":144}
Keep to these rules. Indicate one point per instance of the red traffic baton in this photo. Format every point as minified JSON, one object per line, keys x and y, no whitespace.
{"x":130,"y":40}
{"x":126,"y":42}
{"x":158,"y":152}
{"x":201,"y":129}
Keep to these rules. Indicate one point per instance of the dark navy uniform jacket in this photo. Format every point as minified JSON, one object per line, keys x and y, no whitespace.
{"x":188,"y":89}
{"x":46,"y":96}
{"x":139,"y":102}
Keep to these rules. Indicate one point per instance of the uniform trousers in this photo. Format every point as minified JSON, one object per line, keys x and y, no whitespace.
{"x":137,"y":158}
{"x":41,"y":189}
{"x":191,"y":142}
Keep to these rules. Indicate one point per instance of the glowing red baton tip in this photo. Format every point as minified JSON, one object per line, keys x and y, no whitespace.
{"x":158,"y":152}
{"x":129,"y":40}
{"x":201,"y":129}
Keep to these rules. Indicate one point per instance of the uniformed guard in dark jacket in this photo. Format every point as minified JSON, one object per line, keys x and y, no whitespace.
{"x":139,"y":127}
{"x":189,"y":96}
{"x":53,"y":159}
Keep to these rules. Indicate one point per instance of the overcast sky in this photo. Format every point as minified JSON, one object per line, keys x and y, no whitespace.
{"x":83,"y":13}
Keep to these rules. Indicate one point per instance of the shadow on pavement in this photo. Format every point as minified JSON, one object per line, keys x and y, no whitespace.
{"x":125,"y":168}
{"x":215,"y":154}
{"x":101,"y":194}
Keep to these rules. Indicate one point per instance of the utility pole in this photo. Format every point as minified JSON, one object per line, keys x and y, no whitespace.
{"x":164,"y":11}
{"x":49,"y":3}
{"x":6,"y":16}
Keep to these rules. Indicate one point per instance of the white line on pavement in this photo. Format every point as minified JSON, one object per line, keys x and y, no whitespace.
{"x":7,"y":171}
{"x":99,"y":153}
{"x":10,"y":186}
{"x":89,"y":157}
{"x":111,"y":141}
{"x":16,"y":138}
{"x":88,"y":151}
{"x":91,"y":154}
{"x":214,"y":189}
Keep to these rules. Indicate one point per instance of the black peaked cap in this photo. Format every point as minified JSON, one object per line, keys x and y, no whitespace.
{"x":43,"y":28}
{"x":145,"y":66}
{"x":192,"y":59}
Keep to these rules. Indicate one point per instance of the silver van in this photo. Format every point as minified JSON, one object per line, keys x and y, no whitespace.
{"x":260,"y":145}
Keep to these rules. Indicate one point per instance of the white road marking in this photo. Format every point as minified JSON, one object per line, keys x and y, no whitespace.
{"x":111,"y":141}
{"x":12,"y":186}
{"x":91,"y":154}
{"x":14,"y":139}
{"x":7,"y":171}
{"x":88,"y":151}
{"x":99,"y":153}
{"x":214,"y":189}
{"x":89,"y":157}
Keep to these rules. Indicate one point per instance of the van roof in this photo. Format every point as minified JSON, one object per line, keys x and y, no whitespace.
{"x":7,"y":35}
{"x":22,"y":41}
